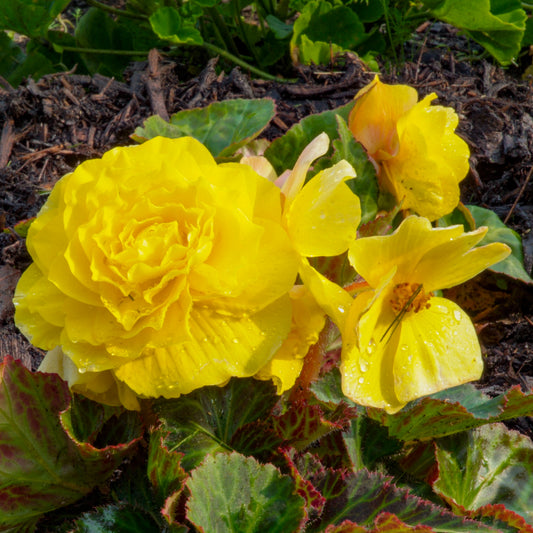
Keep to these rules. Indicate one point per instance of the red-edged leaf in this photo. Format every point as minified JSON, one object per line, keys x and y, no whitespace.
{"x":364,"y":495}
{"x":501,"y":513}
{"x":42,"y":464}
{"x":453,"y":410}
{"x":303,"y":423}
{"x":486,"y":466}
{"x":384,"y":523}
{"x":314,"y":501}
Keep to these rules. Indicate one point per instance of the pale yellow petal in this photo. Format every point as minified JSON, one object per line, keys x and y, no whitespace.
{"x":315,"y":149}
{"x":261,"y":165}
{"x":332,"y":298}
{"x":101,"y":387}
{"x":374,"y":257}
{"x":324,"y":216}
{"x":222,"y":346}
{"x":437,"y":348}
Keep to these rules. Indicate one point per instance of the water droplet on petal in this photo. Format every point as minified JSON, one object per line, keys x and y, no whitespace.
{"x":322,"y":215}
{"x":361,"y":380}
{"x":363,"y":365}
{"x":457,"y":315}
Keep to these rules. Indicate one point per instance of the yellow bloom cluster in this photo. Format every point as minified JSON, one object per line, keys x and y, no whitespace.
{"x":158,"y":271}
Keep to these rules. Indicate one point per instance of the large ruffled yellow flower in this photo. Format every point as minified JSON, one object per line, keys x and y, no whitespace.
{"x":400,"y":341}
{"x":419,"y":157}
{"x":159,"y":269}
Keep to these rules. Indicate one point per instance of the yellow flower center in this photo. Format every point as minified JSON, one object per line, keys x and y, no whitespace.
{"x":409,"y":297}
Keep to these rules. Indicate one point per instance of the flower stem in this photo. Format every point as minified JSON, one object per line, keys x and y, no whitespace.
{"x":115,"y":11}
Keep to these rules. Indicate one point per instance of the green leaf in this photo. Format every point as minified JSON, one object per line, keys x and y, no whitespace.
{"x":115,"y":518}
{"x":15,"y":65}
{"x":30,"y":17}
{"x":453,"y":410}
{"x":498,"y":25}
{"x":164,"y":466}
{"x":280,"y":29}
{"x":498,"y":232}
{"x":369,"y":498}
{"x":42,"y":465}
{"x":223,"y":127}
{"x":365,"y":185}
{"x":331,"y":27}
{"x":233,"y":493}
{"x":207,"y":420}
{"x":168,"y":25}
{"x":488,"y":465}
{"x":285,"y":150}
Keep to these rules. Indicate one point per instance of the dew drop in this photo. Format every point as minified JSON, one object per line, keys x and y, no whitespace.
{"x":363,"y":365}
{"x":235,"y":341}
{"x":341,"y":309}
{"x":457,"y":315}
{"x":322,"y":215}
{"x":361,"y":380}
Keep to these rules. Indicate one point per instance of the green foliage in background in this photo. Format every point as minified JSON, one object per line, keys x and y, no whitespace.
{"x":267,"y":38}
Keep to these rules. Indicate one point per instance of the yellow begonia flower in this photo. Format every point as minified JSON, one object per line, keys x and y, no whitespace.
{"x":419,"y":157}
{"x":400,"y":342}
{"x":308,"y":320}
{"x":159,"y":269}
{"x":321,"y":218}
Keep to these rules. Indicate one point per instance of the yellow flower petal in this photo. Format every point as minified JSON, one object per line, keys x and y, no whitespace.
{"x":334,"y":300}
{"x":437,"y":349}
{"x":222,"y":346}
{"x":308,"y":320}
{"x":374,"y":257}
{"x":261,"y":165}
{"x":101,"y":387}
{"x":430,"y":162}
{"x":316,"y":148}
{"x":373,"y":119}
{"x":323,"y":218}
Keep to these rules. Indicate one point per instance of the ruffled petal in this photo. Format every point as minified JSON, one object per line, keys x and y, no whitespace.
{"x":324,"y":216}
{"x":222,"y":346}
{"x":437,"y":348}
{"x":431,"y":161}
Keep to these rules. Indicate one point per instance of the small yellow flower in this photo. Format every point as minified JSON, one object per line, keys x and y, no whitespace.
{"x":419,"y":157}
{"x":159,"y":269}
{"x":400,"y":341}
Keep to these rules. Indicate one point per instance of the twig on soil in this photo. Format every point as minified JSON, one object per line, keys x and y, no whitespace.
{"x":153,"y":85}
{"x":6,"y":142}
{"x":522,"y":189}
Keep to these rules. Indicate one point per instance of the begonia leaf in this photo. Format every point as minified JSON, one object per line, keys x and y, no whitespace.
{"x":116,"y":518}
{"x":169,"y":25}
{"x":453,"y":410}
{"x":362,"y":496}
{"x":498,"y":514}
{"x":513,"y":265}
{"x":233,"y":493}
{"x":498,"y":25}
{"x":303,"y":423}
{"x":223,"y":127}
{"x":488,"y":465}
{"x":164,"y":466}
{"x":43,"y":466}
{"x":207,"y":420}
{"x":285,"y":150}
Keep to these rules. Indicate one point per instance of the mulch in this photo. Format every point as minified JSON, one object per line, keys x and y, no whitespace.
{"x":51,"y":125}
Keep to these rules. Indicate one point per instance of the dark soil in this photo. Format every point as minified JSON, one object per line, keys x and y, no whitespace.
{"x":51,"y":125}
